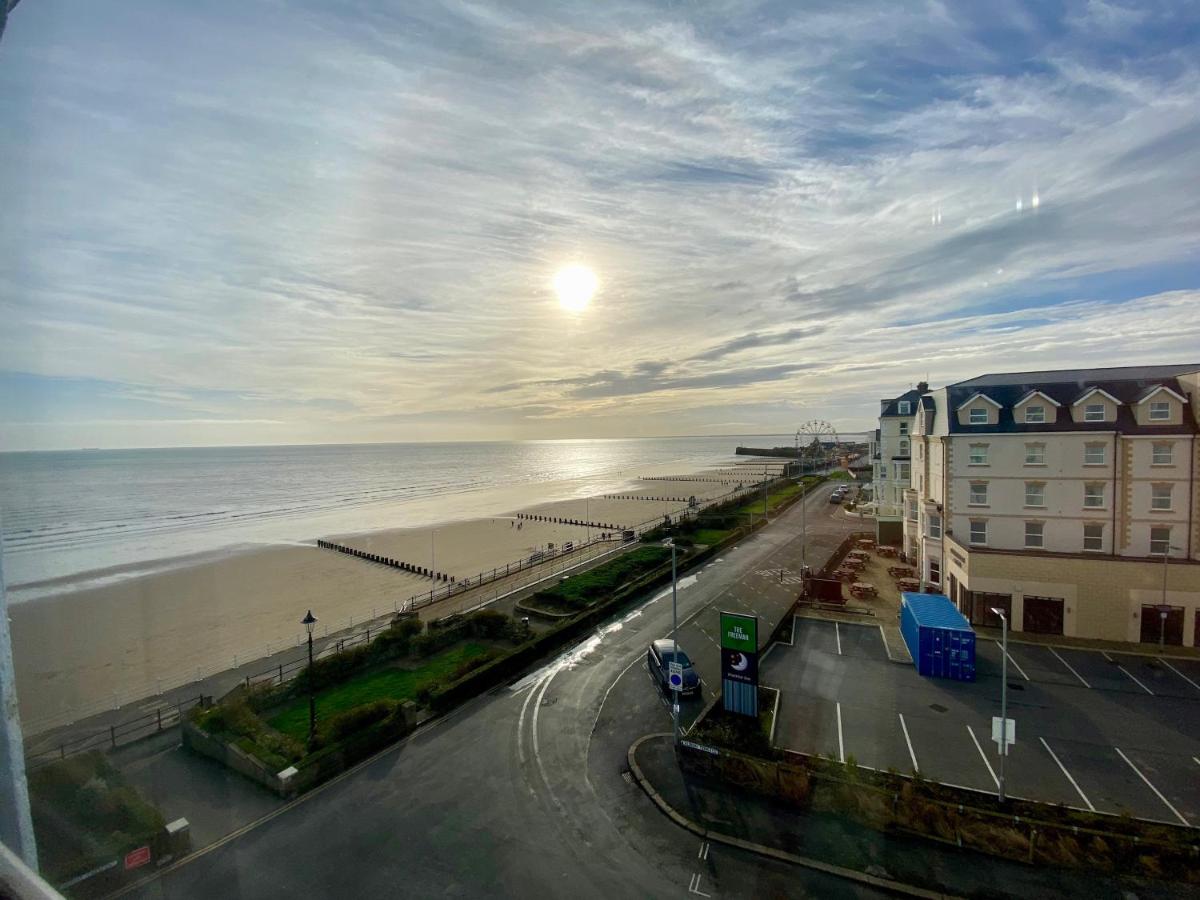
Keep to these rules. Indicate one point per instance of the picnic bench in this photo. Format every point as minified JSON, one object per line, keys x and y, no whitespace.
{"x":888,"y":550}
{"x":863,"y":589}
{"x":908,"y":584}
{"x":845,"y":574}
{"x":900,"y":572}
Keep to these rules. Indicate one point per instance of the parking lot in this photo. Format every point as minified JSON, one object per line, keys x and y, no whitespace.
{"x":1099,"y":731}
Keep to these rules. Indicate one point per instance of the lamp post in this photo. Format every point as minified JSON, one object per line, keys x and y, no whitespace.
{"x":674,"y":642}
{"x":1163,"y":608}
{"x":1003,"y":695}
{"x":308,"y":622}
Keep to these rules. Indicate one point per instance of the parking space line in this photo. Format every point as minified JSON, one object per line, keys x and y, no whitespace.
{"x":1130,"y":674}
{"x":1153,"y":788}
{"x":1011,"y":660}
{"x":1068,"y":665}
{"x":883,"y":637}
{"x":1177,"y":672}
{"x":1074,"y":784}
{"x":907,"y":740}
{"x":986,"y":762}
{"x":838,"y":632}
{"x":841,"y":744}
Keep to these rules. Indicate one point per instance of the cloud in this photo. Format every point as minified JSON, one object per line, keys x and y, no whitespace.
{"x":347,"y":219}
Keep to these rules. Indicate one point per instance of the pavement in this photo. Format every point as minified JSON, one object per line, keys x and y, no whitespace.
{"x":1095,"y":730}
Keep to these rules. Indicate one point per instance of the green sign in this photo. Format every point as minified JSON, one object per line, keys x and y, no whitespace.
{"x":739,"y":632}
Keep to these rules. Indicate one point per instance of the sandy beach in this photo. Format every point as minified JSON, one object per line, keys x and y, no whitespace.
{"x":100,"y":643}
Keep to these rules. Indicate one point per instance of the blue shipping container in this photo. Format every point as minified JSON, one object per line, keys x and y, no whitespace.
{"x":939,"y":638}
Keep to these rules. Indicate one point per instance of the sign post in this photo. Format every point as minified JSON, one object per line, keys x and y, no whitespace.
{"x":739,"y":663}
{"x":675,"y":676}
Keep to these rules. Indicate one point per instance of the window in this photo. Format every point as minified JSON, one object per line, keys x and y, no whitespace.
{"x":1034,"y":533}
{"x":1035,"y":454}
{"x":935,"y":525}
{"x":902,"y":472}
{"x":978,"y":496}
{"x":904,"y":407}
{"x":979,"y":455}
{"x":1164,"y":454}
{"x":935,"y":571}
{"x":1093,"y":412}
{"x":977,"y":415}
{"x":1093,"y":455}
{"x":904,"y":446}
{"x":904,"y":428}
{"x":1035,"y":493}
{"x":1160,"y":541}
{"x":1093,"y":536}
{"x":978,"y":531}
{"x":912,"y":508}
{"x":1035,"y":414}
{"x":1093,"y":495}
{"x":1160,"y":410}
{"x":1160,"y":496}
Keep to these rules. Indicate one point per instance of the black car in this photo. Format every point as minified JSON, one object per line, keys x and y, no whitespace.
{"x":659,"y":657}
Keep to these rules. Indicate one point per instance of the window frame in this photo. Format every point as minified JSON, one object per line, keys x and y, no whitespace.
{"x":1170,"y":453}
{"x":1155,"y":497}
{"x":1040,"y":459}
{"x":1040,"y":489}
{"x":905,"y":447}
{"x":1164,"y":406}
{"x":1166,"y":551}
{"x":1099,"y":526}
{"x":933,"y":523}
{"x":935,"y":570}
{"x":904,"y":407}
{"x":1102,"y":448}
{"x":972,"y":461}
{"x":1041,"y":536}
{"x":903,"y":429}
{"x":971,"y":417}
{"x":974,"y":499}
{"x":1088,"y":495}
{"x":971,"y":532}
{"x":1041,"y":414}
{"x":1089,"y":408}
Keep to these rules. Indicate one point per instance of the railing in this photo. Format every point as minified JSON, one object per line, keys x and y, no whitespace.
{"x":506,"y":581}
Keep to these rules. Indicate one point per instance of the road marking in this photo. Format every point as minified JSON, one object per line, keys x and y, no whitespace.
{"x":908,"y":741}
{"x":1127,"y":672}
{"x":1074,"y":784}
{"x":1068,"y":665}
{"x":883,"y":638}
{"x":838,"y":632}
{"x":1011,"y":660}
{"x":841,"y":745}
{"x":1157,"y":793}
{"x":521,"y":723}
{"x":1196,"y":760}
{"x":1177,"y":672}
{"x":703,"y":852}
{"x":694,"y":885}
{"x":986,"y":762}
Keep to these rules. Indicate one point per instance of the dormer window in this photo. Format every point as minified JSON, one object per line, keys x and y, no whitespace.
{"x":978,"y":416}
{"x":1035,"y":414}
{"x":904,"y":408}
{"x":1160,"y":410}
{"x":1093,"y":412}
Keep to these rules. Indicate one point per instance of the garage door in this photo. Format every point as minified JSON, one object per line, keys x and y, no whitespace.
{"x":1155,"y":628}
{"x":981,"y":604}
{"x":1043,"y":615}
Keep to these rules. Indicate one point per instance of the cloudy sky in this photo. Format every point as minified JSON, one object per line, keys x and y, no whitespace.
{"x":323,"y":221}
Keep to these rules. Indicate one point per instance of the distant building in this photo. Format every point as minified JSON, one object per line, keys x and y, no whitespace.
{"x":892,"y":459}
{"x":1059,"y":496}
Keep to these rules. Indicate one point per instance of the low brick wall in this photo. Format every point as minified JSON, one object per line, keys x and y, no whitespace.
{"x":199,"y":741}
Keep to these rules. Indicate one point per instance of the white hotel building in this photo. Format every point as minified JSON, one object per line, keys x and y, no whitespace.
{"x":1060,"y":496}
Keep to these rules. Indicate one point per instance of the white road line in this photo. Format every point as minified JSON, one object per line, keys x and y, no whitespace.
{"x":838,"y":632}
{"x":702,"y":853}
{"x":1068,"y":665}
{"x":986,"y":762}
{"x":1127,"y":672}
{"x":1011,"y":660}
{"x":1054,"y":756}
{"x":1196,"y":760}
{"x":908,"y":741}
{"x":883,"y":638}
{"x":841,"y":744}
{"x":1153,"y":788}
{"x":1177,"y":672}
{"x":521,"y":723}
{"x":694,"y":885}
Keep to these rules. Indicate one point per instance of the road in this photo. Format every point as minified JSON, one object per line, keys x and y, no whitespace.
{"x":525,"y":791}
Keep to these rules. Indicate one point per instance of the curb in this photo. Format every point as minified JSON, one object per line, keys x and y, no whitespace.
{"x":886,"y":884}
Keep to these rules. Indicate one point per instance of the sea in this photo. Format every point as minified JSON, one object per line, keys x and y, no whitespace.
{"x":122,"y":512}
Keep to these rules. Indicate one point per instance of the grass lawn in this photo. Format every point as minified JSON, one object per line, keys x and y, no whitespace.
{"x":376,"y":684}
{"x":710,"y":536}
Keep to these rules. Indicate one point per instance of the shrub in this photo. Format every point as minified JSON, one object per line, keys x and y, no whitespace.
{"x":396,"y":639}
{"x":487,"y":623}
{"x":354,"y":720}
{"x":469,"y":665}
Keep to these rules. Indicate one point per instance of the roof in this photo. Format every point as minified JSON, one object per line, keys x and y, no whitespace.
{"x":979,"y":395}
{"x":934,"y":611}
{"x":891,"y":407}
{"x":1095,"y":390}
{"x":1037,"y":393}
{"x":1127,"y":386}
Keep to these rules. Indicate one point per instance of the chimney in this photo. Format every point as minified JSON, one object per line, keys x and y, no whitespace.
{"x":922,"y":387}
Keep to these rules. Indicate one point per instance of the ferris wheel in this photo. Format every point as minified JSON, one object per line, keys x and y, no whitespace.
{"x":817,"y":443}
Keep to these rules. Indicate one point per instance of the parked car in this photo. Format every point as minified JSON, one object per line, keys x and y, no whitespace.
{"x":659,"y":657}
{"x":835,"y":497}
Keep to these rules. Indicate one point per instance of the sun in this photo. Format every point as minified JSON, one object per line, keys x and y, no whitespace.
{"x":575,"y":286}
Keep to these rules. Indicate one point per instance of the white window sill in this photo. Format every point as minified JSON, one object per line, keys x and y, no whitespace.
{"x":1027,"y":506}
{"x":977,"y":465}
{"x":1155,"y":465}
{"x":1095,"y":509}
{"x":1032,"y":547}
{"x":1030,"y":465}
{"x":978,"y":506}
{"x":1095,"y":465}
{"x":1093,"y":549}
{"x":1160,"y":510}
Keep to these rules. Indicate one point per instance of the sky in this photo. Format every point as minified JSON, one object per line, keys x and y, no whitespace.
{"x":324,"y":222}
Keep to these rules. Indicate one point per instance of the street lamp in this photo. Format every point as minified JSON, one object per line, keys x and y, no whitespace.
{"x":670,"y":542}
{"x":1163,"y":608}
{"x":1003,"y":696}
{"x":308,"y":622}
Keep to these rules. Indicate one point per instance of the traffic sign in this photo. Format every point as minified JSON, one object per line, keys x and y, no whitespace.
{"x":136,"y":858}
{"x":1010,"y":733}
{"x":675,"y":676}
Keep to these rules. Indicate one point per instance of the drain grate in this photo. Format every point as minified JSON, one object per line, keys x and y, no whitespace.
{"x":937,"y":707}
